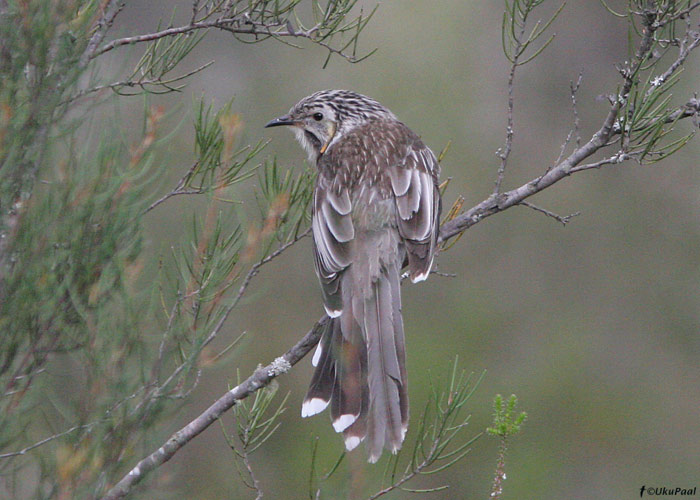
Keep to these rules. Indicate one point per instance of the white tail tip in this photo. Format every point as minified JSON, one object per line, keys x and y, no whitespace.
{"x":343,"y":422}
{"x":420,"y":277}
{"x":313,"y":406}
{"x":332,"y":313}
{"x":352,"y":442}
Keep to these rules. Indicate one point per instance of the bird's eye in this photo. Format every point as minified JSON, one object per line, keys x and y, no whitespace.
{"x":318,"y":116}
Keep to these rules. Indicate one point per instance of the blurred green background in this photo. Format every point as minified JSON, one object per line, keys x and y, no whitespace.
{"x":594,"y":325}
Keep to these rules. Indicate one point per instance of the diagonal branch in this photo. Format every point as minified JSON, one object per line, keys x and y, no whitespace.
{"x":260,"y":378}
{"x":564,"y":219}
{"x":226,"y":23}
{"x":500,"y":202}
{"x":572,"y":164}
{"x":110,"y":10}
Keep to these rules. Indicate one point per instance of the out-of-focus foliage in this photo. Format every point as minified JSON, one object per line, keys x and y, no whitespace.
{"x":71,"y":200}
{"x":78,"y":291}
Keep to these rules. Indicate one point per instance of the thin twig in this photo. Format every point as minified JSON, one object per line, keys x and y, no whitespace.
{"x":504,"y":153}
{"x":143,"y":83}
{"x":500,"y":474}
{"x":29,"y":448}
{"x":687,"y":45}
{"x":564,"y":219}
{"x":444,"y":275}
{"x":178,"y":189}
{"x":612,"y":160}
{"x":195,"y":10}
{"x":256,"y":483}
{"x":564,"y":145}
{"x":577,"y":122}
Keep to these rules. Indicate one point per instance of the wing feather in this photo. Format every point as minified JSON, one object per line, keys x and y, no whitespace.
{"x":333,"y":232}
{"x":400,"y":180}
{"x":417,"y":206}
{"x":340,"y":202}
{"x":339,"y":225}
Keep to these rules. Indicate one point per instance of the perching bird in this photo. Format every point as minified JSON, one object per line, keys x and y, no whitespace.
{"x":376,"y":202}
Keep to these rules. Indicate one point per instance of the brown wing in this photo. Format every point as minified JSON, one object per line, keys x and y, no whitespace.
{"x":418,"y":204}
{"x":333,"y":231}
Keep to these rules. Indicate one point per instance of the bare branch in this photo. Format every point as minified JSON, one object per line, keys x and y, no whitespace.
{"x":564,"y":219}
{"x":260,"y":378}
{"x":612,"y":160}
{"x":257,"y":22}
{"x":148,"y":37}
{"x":29,"y":448}
{"x":577,"y":122}
{"x":515,"y":45}
{"x":256,"y":483}
{"x":110,"y":11}
{"x":498,"y":202}
{"x":504,"y":152}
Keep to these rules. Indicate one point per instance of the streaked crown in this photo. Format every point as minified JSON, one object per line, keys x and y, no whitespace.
{"x":345,"y":105}
{"x":324,"y":117}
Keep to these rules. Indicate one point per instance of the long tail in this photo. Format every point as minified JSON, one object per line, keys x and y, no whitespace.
{"x":361,"y":367}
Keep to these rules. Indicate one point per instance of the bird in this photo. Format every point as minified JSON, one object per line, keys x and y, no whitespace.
{"x":375,"y":208}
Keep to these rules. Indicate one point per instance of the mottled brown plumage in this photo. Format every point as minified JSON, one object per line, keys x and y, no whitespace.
{"x":376,"y":202}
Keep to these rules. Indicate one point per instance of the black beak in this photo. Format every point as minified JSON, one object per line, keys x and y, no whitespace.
{"x":282,"y":120}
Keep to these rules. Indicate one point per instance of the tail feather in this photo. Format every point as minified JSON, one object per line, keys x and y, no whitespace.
{"x":357,"y":432}
{"x":385,"y":428}
{"x":320,"y":389}
{"x":347,"y":392}
{"x":400,"y":342}
{"x":361,"y":369}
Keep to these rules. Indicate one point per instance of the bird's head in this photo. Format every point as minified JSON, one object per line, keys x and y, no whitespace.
{"x":323,"y":118}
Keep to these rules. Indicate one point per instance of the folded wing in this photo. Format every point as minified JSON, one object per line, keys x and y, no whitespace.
{"x":414,"y":183}
{"x":333,"y":231}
